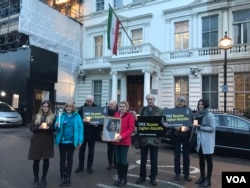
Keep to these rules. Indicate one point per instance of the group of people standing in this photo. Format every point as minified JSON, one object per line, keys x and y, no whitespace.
{"x":72,"y":131}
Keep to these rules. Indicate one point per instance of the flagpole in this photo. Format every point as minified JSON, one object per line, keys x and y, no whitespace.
{"x":121,"y":25}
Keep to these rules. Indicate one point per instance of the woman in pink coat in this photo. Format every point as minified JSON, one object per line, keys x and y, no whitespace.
{"x":123,"y":142}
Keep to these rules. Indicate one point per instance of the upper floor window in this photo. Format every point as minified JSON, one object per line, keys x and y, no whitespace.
{"x":117,"y":3}
{"x":210,"y":90}
{"x":182,"y":87}
{"x":98,"y":46}
{"x":119,"y":42}
{"x":97,"y":92}
{"x":99,"y":5}
{"x":210,"y":31}
{"x":137,"y":36}
{"x":181,"y":35}
{"x":241,"y":26}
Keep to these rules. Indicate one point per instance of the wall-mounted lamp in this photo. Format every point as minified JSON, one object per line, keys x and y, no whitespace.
{"x":81,"y":76}
{"x":32,"y":58}
{"x":127,"y":66}
{"x":3,"y":94}
{"x":194,"y":71}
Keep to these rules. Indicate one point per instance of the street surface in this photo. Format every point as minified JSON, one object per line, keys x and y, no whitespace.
{"x":16,"y":170}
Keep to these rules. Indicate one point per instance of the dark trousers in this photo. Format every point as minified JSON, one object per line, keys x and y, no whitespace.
{"x":209,"y":160}
{"x":110,"y":153}
{"x":153,"y":161}
{"x":181,"y":141}
{"x":36,"y":167}
{"x":91,"y":149}
{"x":66,"y":158}
{"x":121,"y":154}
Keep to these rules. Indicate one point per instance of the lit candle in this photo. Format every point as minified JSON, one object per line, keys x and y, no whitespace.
{"x":88,"y":119}
{"x":59,"y":119}
{"x":116,"y":136}
{"x":195,"y":123}
{"x":183,"y":128}
{"x":44,"y":125}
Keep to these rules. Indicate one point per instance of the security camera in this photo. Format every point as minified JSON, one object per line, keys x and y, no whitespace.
{"x":196,"y":73}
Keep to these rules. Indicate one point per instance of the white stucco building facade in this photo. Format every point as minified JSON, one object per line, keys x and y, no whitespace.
{"x":175,"y":52}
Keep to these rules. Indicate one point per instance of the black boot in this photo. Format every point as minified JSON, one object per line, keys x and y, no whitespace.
{"x":36,"y":182}
{"x":124,"y":172}
{"x":200,"y":180}
{"x":63,"y":179}
{"x":117,"y":182}
{"x":68,"y":180}
{"x":43,"y":183}
{"x":206,"y":183}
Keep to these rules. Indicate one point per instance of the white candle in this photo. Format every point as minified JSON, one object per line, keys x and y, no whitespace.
{"x":59,"y":119}
{"x":44,"y":125}
{"x":183,"y":128}
{"x":195,"y":123}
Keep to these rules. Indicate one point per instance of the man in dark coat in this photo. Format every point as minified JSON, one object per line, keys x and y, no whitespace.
{"x":90,"y":135}
{"x":181,"y":142}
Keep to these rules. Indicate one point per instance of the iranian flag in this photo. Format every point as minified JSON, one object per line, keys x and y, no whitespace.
{"x":113,"y":29}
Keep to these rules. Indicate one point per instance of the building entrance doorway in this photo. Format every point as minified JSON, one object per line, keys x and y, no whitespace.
{"x":135,"y":92}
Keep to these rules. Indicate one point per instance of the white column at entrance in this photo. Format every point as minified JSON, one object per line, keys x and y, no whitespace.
{"x":147,"y":73}
{"x":155,"y":86}
{"x":114,"y":85}
{"x":123,"y":87}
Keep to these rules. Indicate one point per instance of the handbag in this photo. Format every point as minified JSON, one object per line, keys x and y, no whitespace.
{"x":193,"y":139}
{"x":136,"y":142}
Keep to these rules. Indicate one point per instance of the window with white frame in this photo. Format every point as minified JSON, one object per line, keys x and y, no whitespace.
{"x":181,"y":87}
{"x":181,"y":35}
{"x":97,"y":92}
{"x":99,"y":5}
{"x":119,"y":42}
{"x":117,"y":3}
{"x":242,"y":91}
{"x":98,"y":46}
{"x":210,"y":31}
{"x":210,"y":90}
{"x":137,"y":36}
{"x":241,"y":26}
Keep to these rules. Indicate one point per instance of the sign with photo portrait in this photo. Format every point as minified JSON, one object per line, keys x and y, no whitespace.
{"x":111,"y":129}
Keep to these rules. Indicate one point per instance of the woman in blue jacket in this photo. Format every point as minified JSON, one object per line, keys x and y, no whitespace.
{"x":69,"y":136}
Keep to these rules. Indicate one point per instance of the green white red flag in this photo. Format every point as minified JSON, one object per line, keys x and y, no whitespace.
{"x":113,"y":31}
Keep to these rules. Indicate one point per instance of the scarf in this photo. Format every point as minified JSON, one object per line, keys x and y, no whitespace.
{"x":201,"y":114}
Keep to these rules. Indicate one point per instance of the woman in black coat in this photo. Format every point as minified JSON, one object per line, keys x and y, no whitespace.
{"x":42,"y":141}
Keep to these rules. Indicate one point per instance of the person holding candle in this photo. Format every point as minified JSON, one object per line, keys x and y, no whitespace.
{"x":42,"y":142}
{"x":181,"y":142}
{"x":90,"y":135}
{"x":123,"y":141}
{"x":69,"y":136}
{"x":205,"y":141}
